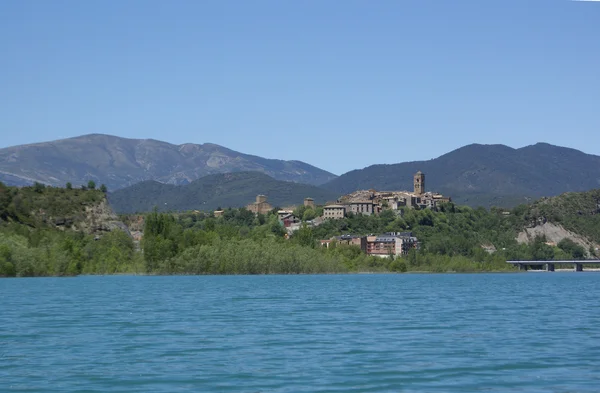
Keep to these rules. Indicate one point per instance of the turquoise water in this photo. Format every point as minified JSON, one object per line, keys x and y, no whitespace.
{"x":531,"y":332}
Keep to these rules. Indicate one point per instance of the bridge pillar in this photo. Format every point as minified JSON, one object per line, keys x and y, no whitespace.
{"x":522,"y":266}
{"x":549,"y":267}
{"x":578,"y":267}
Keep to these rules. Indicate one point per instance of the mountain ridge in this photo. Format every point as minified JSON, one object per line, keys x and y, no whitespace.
{"x":120,"y":162}
{"x":485,"y":175}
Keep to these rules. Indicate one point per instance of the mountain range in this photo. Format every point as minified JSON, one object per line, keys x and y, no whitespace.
{"x":485,"y":175}
{"x":476,"y":175}
{"x":121,"y":162}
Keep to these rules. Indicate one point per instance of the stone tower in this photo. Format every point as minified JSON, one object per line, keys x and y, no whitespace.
{"x":419,"y":183}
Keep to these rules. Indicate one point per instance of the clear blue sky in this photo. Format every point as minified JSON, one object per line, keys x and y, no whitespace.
{"x":338,"y":84}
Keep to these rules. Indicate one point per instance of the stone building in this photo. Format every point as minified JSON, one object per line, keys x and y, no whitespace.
{"x":419,"y":183}
{"x":334,"y":212}
{"x":391,"y":244}
{"x":365,"y":208}
{"x":261,"y":206}
{"x":309,"y":202}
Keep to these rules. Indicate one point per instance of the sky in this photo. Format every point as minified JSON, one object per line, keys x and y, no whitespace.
{"x":338,"y":84}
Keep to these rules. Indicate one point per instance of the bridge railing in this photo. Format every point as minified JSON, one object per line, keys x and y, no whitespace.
{"x":550,"y":265}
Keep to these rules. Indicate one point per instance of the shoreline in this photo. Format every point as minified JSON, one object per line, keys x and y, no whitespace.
{"x":421,"y":272}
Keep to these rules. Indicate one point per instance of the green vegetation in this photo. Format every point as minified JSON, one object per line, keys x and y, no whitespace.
{"x":31,"y":243}
{"x":37,"y":238}
{"x":39,"y":204}
{"x":240,"y":243}
{"x":578,"y":212}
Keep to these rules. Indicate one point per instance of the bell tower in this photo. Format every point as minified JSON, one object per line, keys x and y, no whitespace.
{"x":419,"y":183}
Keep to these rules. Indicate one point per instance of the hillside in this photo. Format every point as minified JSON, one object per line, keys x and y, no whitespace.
{"x":577,"y":213}
{"x":39,"y":206}
{"x":120,"y":162}
{"x":46,"y":231}
{"x":213,"y":191}
{"x":486,"y":175}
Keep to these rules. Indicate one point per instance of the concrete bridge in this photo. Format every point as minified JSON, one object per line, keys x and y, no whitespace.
{"x":550,"y":265}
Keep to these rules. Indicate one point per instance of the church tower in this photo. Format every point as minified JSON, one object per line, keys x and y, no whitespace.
{"x":419,"y":183}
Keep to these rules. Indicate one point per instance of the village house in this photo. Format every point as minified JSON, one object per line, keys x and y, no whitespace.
{"x":348,"y":240}
{"x":283,"y":213}
{"x":289,"y":219}
{"x":351,"y":240}
{"x":366,"y":208}
{"x":334,"y":212}
{"x":388,"y":244}
{"x":391,"y":244}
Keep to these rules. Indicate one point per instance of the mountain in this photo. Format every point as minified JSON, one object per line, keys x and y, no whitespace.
{"x":210,"y":192}
{"x":120,"y":162}
{"x":485,"y":175}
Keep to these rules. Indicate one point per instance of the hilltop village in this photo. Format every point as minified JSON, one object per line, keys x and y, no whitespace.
{"x":363,"y":202}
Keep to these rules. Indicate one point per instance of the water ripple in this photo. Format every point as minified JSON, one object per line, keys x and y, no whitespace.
{"x":355,"y":333}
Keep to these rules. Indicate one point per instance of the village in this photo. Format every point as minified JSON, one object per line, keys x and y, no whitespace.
{"x":364,"y":202}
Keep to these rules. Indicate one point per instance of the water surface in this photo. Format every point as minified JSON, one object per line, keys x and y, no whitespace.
{"x":345,"y":333}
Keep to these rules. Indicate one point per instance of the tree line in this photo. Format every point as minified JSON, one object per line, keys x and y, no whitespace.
{"x":452,"y":238}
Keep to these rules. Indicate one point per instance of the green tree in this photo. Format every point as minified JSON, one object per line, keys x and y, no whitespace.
{"x":91,"y":185}
{"x":304,"y":236}
{"x":103,"y":188}
{"x":573,"y":249}
{"x":540,"y":251}
{"x":69,"y":186}
{"x":38,"y":187}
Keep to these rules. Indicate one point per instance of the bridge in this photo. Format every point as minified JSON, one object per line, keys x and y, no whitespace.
{"x":550,"y":265}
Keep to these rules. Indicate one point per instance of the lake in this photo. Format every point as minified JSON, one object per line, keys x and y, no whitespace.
{"x":530,"y":332}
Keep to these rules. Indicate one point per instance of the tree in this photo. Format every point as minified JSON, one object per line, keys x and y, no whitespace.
{"x":540,"y":251}
{"x":309,"y":214}
{"x":570,"y":247}
{"x":69,"y":186}
{"x":304,"y":236}
{"x":91,"y":185}
{"x":103,"y":188}
{"x":38,"y":187}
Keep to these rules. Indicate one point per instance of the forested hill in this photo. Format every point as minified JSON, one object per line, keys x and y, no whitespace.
{"x":47,"y":231}
{"x":213,"y":191}
{"x":486,"y":175}
{"x":578,"y":212}
{"x":39,"y":206}
{"x":121,"y":162}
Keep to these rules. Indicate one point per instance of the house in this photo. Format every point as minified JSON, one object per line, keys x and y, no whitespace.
{"x":352,"y":240}
{"x":261,"y":206}
{"x":218,"y":213}
{"x":391,"y":244}
{"x":283,"y":213}
{"x":348,"y":240}
{"x":334,"y":212}
{"x":290,"y":220}
{"x":325,"y":243}
{"x":366,"y":208}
